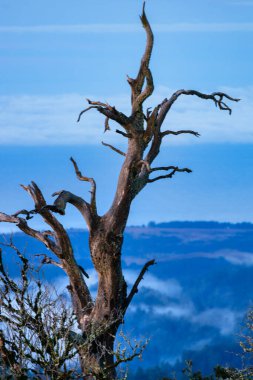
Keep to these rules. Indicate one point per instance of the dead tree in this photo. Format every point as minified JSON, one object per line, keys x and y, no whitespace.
{"x":143,"y":131}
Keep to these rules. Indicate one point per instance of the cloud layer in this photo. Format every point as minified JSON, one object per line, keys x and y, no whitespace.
{"x":133,"y":28}
{"x":232,"y":256}
{"x":177,"y":304}
{"x":51,"y":120}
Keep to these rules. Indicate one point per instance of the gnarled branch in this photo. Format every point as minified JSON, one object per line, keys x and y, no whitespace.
{"x":65,"y":197}
{"x":134,"y":289}
{"x":139,"y":96}
{"x":128,"y":135}
{"x":108,"y":111}
{"x":23,"y":226}
{"x":151,"y":129}
{"x":216,"y":97}
{"x":146,"y":92}
{"x":114,"y":149}
{"x":173,"y":169}
{"x":165,"y":133}
{"x":25,"y":212}
{"x":81,"y":296}
{"x":92,"y":182}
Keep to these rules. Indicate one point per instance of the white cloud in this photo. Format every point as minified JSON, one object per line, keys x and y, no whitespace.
{"x":61,"y":283}
{"x":174,"y":310}
{"x":133,"y":28}
{"x":236,"y":257}
{"x":45,"y":120}
{"x":232,"y":256}
{"x":204,"y":27}
{"x":170,"y":288}
{"x":221,"y":318}
{"x":51,"y":120}
{"x":83,"y":28}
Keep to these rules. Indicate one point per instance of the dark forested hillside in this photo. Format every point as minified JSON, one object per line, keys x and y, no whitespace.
{"x":191,"y":304}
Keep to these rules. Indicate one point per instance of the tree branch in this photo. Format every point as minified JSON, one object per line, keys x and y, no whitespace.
{"x":138,"y":96}
{"x":128,"y":135}
{"x":216,"y":97}
{"x":114,"y":149}
{"x":42,"y":208}
{"x":81,"y":296}
{"x":49,"y":260}
{"x":107,"y":126}
{"x":165,"y":133}
{"x":173,"y":169}
{"x":92,"y":182}
{"x":151,"y":124}
{"x":25,"y":212}
{"x":85,"y":110}
{"x":108,"y":111}
{"x":65,"y":197}
{"x":134,"y":289}
{"x":23,"y":226}
{"x":156,"y":137}
{"x":146,"y":92}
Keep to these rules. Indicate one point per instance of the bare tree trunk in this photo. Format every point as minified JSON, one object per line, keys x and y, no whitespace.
{"x":100,"y":320}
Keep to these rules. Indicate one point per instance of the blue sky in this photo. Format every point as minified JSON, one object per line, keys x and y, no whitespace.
{"x":56,"y":54}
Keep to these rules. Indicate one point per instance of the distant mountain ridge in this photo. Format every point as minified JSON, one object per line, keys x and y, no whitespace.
{"x":191,"y":304}
{"x":201,"y":224}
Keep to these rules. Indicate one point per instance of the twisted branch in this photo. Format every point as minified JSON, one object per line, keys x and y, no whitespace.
{"x":134,"y":289}
{"x":108,"y":111}
{"x":216,"y":97}
{"x":114,"y":149}
{"x":23,"y":226}
{"x":138,"y":97}
{"x":173,"y":169}
{"x":165,"y":133}
{"x":62,"y":246}
{"x":128,"y":135}
{"x":87,"y":179}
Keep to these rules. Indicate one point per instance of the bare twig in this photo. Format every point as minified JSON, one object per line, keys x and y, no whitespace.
{"x":25,"y":212}
{"x":108,"y":111}
{"x":128,"y":135}
{"x":216,"y":97}
{"x":173,"y":169}
{"x":23,"y":226}
{"x":114,"y":149}
{"x":165,"y":133}
{"x":107,"y":126}
{"x":83,"y":271}
{"x":87,"y":179}
{"x":85,"y":110}
{"x":134,"y":289}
